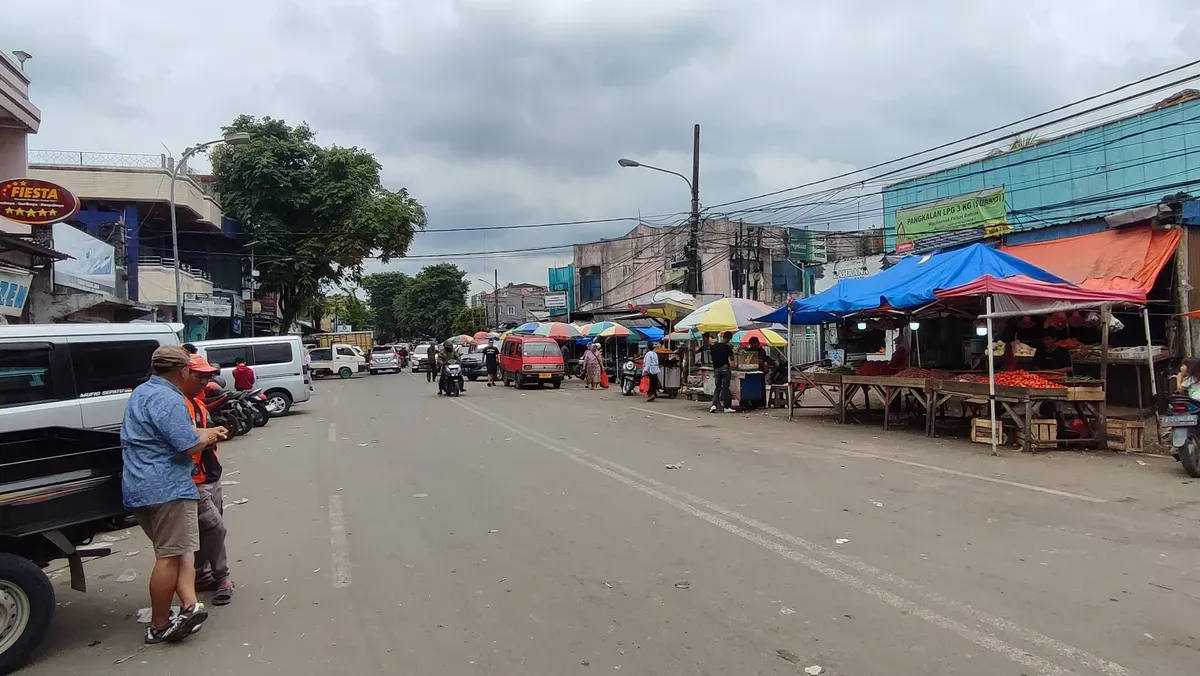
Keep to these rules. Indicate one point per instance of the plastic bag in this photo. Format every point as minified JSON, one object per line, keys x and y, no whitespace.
{"x":604,"y":379}
{"x":644,"y":386}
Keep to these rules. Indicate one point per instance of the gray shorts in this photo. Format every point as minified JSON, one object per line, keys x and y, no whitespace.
{"x":172,"y":527}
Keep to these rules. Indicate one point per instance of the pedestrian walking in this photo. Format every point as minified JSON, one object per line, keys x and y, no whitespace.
{"x":651,"y":369}
{"x":158,"y":440}
{"x":212,"y":560}
{"x":722,"y":357}
{"x":593,"y":366}
{"x":431,"y":362}
{"x":491,"y":359}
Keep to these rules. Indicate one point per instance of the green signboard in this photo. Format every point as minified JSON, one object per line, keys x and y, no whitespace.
{"x":984,"y":209}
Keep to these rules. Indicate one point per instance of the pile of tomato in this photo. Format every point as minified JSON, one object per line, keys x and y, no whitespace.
{"x":875,"y":368}
{"x":1025,"y":379}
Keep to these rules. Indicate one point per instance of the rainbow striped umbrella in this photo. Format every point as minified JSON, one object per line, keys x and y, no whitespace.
{"x":765,"y":337}
{"x":609,"y":330}
{"x":461,"y":339}
{"x":527,"y":328}
{"x":682,"y":336}
{"x":557,"y":330}
{"x":483,"y":335}
{"x":725,"y":314}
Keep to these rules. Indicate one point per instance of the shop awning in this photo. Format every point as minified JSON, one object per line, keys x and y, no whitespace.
{"x":1015,"y":296}
{"x":911,"y":283}
{"x":1119,"y":259}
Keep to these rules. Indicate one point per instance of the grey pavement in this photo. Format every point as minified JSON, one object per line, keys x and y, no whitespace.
{"x":391,"y":531}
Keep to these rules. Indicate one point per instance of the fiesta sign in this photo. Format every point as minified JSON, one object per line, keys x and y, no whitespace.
{"x":34,"y":202}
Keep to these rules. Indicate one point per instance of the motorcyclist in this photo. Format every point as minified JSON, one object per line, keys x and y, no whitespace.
{"x":446,"y":355}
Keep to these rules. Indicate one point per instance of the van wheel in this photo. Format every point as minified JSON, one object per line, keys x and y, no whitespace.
{"x":557,"y":383}
{"x":504,"y":378}
{"x":26,"y":605}
{"x":345,"y":372}
{"x":279,"y":402}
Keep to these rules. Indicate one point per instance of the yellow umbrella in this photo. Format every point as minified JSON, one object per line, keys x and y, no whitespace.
{"x":726,"y":314}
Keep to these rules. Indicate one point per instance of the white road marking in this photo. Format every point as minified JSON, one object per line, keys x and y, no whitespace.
{"x":669,"y":415}
{"x":337,"y":542}
{"x":651,"y":487}
{"x":968,"y":475}
{"x":332,"y":432}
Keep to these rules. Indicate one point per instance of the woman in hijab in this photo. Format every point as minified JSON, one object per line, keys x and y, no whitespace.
{"x":593,"y":364}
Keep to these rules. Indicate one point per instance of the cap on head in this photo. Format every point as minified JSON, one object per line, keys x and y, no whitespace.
{"x":200,"y":365}
{"x":169,"y":358}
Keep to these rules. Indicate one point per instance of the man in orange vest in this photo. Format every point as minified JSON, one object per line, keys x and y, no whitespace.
{"x":212,"y":561}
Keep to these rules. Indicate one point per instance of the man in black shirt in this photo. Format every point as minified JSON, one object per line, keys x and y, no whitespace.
{"x":1051,"y":357}
{"x":722,"y":356}
{"x":491,"y":359}
{"x":431,"y":361}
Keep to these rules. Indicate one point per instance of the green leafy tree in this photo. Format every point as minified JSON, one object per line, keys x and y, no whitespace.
{"x":431,"y":302}
{"x":348,"y":308}
{"x":470,"y":320}
{"x":312,"y":213}
{"x":383,"y":289}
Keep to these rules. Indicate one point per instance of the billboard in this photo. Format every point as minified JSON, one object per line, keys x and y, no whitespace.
{"x":984,"y":210}
{"x":14,"y":289}
{"x":556,"y":302}
{"x":34,"y":202}
{"x":207,"y":305}
{"x":92,"y":266}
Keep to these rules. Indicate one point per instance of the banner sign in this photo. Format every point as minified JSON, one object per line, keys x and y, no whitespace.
{"x":207,"y":305}
{"x":556,"y":301}
{"x":14,"y":289}
{"x":984,"y":209}
{"x":92,"y":266}
{"x":34,"y":202}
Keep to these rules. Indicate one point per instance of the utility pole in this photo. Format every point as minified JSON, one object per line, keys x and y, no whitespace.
{"x":496,"y":294}
{"x":695,"y":282}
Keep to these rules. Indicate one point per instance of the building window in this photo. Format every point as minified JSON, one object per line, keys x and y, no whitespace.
{"x":512,"y":310}
{"x":589,"y":284}
{"x":25,"y":375}
{"x":111,"y":367}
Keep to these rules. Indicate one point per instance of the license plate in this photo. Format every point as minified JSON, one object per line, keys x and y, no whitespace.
{"x":1188,"y":420}
{"x":546,"y":375}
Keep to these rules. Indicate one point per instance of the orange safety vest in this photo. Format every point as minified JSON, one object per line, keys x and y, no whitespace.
{"x":200,"y":417}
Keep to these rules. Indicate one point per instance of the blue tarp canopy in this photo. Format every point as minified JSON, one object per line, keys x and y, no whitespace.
{"x":909,"y":284}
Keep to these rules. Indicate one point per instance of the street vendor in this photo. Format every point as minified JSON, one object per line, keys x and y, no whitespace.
{"x":1050,"y":357}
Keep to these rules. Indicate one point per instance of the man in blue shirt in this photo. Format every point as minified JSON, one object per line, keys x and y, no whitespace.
{"x":158,"y":438}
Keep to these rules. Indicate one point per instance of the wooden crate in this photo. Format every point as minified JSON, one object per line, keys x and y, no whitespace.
{"x":981,"y":431}
{"x":1045,"y":433}
{"x":1085,"y":393}
{"x":1126,"y":435}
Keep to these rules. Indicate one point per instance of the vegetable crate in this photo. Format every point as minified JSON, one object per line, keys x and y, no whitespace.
{"x":1126,"y":435}
{"x":981,"y":431}
{"x":1044,"y":431}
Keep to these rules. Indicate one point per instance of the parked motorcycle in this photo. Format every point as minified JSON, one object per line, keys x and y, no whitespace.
{"x":628,"y":378}
{"x":1184,"y":422}
{"x":452,"y":380}
{"x":256,"y":402}
{"x":224,"y":411}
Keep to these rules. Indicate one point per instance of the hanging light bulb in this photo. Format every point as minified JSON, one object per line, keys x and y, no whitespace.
{"x":914,"y":325}
{"x":981,"y":329}
{"x":862,"y":326}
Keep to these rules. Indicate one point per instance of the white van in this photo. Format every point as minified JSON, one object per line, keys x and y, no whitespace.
{"x":279,"y":363}
{"x":74,"y":375}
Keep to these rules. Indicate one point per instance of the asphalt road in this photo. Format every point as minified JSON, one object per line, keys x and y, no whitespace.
{"x":390,"y":531}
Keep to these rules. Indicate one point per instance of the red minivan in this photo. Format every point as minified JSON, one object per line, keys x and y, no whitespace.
{"x":531,"y":359}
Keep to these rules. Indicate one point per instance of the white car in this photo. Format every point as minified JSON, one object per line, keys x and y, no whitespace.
{"x":418,"y":356}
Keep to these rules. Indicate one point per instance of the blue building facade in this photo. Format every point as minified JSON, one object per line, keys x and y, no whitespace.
{"x":1074,"y":178}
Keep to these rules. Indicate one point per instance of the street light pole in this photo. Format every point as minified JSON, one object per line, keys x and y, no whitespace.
{"x":495,"y":296}
{"x":694,"y":281}
{"x":233,"y":138}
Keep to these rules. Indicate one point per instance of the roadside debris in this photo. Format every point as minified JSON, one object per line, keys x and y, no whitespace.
{"x":1143,"y":463}
{"x":813,"y":670}
{"x":128,"y":576}
{"x":683,"y":584}
{"x":788,"y":656}
{"x":230,"y":483}
{"x":116,"y":538}
{"x":420,"y":495}
{"x":133,"y":553}
{"x":240,"y":501}
{"x":786,"y":611}
{"x":494,"y":530}
{"x":877,"y":503}
{"x":674,"y":465}
{"x":841,"y":541}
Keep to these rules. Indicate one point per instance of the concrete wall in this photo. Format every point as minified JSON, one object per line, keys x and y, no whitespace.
{"x":127,"y":184}
{"x":157,"y":284}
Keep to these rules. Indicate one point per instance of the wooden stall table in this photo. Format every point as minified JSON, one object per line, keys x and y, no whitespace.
{"x":820,"y":382}
{"x":1020,"y":402}
{"x":889,"y":388}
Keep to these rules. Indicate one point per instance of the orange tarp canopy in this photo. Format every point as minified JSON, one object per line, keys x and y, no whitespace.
{"x":1119,"y":259}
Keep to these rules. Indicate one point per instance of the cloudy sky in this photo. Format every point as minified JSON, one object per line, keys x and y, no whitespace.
{"x":499,"y":112}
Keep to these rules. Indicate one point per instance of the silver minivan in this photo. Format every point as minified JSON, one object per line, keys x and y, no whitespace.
{"x":74,"y":375}
{"x":280,"y":365}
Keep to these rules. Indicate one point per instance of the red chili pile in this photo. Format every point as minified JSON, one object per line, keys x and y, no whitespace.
{"x":875,"y":368}
{"x":914,"y":372}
